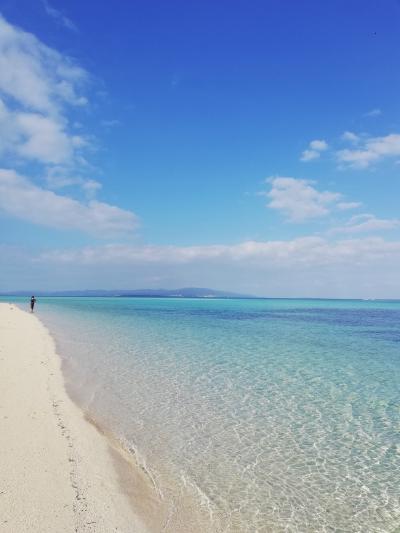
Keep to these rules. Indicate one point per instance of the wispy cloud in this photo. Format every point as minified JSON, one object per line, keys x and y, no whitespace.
{"x":20,"y":198}
{"x":312,"y":251}
{"x":58,"y":177}
{"x":298,"y":199}
{"x":367,"y":223}
{"x":370,"y":150}
{"x":59,"y":16}
{"x":373,"y":113}
{"x":110,"y":123}
{"x":314,"y":150}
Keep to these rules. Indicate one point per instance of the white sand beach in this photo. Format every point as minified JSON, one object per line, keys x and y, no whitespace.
{"x":58,"y":473}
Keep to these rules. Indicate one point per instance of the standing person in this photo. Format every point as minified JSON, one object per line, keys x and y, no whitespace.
{"x":33,"y":301}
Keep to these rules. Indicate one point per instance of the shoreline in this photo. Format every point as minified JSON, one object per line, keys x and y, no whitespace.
{"x":60,"y":471}
{"x":174,"y":508}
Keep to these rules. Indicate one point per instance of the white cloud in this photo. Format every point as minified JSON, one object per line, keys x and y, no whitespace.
{"x":20,"y":198}
{"x":309,"y":155}
{"x":314,"y":151}
{"x":36,"y":76}
{"x":59,"y":16}
{"x":348,"y":205}
{"x":385,"y":146}
{"x":350,"y":136}
{"x":367,"y":223}
{"x":43,"y":138}
{"x":90,"y":187}
{"x":9,"y":133}
{"x":371,"y":151}
{"x":34,"y":136}
{"x":298,"y":199}
{"x":318,"y":145}
{"x":38,"y":85}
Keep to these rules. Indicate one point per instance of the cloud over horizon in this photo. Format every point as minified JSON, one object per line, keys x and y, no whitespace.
{"x":308,"y":266}
{"x":189,"y":194}
{"x":311,"y":250}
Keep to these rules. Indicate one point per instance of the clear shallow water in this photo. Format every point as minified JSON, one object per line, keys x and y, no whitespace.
{"x":277,"y":415}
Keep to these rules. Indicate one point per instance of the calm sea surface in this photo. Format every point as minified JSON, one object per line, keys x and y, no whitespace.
{"x":275,"y":415}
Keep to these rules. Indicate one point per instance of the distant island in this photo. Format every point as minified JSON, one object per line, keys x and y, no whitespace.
{"x":186,"y":292}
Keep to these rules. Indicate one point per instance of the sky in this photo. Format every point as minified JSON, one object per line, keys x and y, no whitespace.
{"x":251,"y":146}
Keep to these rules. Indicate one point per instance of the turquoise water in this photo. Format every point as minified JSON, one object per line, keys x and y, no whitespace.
{"x":273,"y":415}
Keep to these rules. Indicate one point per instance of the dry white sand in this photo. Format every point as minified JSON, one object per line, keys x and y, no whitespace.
{"x":58,"y":473}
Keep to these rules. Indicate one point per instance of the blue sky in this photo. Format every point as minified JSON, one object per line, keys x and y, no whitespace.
{"x":246,"y":146}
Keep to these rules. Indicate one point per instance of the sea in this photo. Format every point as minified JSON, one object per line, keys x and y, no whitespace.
{"x":266,"y":415}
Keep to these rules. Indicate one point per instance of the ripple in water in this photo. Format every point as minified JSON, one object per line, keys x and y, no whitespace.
{"x":275,"y":415}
